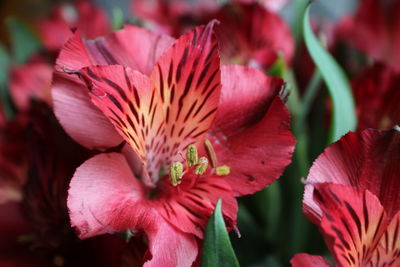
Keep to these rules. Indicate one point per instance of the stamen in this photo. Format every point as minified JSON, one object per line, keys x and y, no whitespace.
{"x":211,"y":153}
{"x":223,"y":170}
{"x":202,"y":166}
{"x":192,"y":157}
{"x":175,"y":173}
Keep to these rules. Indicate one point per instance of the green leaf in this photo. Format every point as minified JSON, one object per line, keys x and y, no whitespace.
{"x":344,"y":118}
{"x":5,"y":101}
{"x":217,"y":248}
{"x":24,"y":40}
{"x":117,"y":18}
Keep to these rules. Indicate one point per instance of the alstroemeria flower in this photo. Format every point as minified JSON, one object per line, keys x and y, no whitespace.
{"x":352,"y":194}
{"x":250,"y":34}
{"x":377,"y":96}
{"x":194,"y":132}
{"x":375,"y":30}
{"x":83,"y":15}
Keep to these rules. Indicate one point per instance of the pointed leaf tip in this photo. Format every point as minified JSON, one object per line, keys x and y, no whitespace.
{"x":217,"y":248}
{"x":344,"y":117}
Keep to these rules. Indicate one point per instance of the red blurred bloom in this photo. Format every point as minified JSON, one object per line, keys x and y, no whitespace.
{"x":252,"y":35}
{"x":352,"y":194}
{"x":375,"y":30}
{"x":84,"y":16}
{"x":180,"y":96}
{"x":249,"y":33}
{"x":30,"y":81}
{"x":377,"y":96}
{"x":36,"y":231}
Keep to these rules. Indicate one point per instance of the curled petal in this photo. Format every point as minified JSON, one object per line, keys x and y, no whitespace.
{"x":307,"y":260}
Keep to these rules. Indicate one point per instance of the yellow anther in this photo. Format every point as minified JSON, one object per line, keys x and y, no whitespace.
{"x":211,"y":153}
{"x":192,"y":157}
{"x":202,"y":167}
{"x":175,"y":173}
{"x":223,"y":170}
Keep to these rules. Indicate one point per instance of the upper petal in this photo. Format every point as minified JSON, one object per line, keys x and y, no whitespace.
{"x":251,"y":133}
{"x":121,"y":47}
{"x":188,"y":81}
{"x":364,"y":160}
{"x":72,"y":104}
{"x":307,"y":260}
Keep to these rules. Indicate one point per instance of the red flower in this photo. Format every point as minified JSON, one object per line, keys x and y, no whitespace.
{"x":252,"y":35}
{"x":30,"y":81}
{"x":352,"y":194}
{"x":377,"y":96}
{"x":181,"y":100}
{"x":83,"y":15}
{"x":249,"y":32}
{"x":375,"y":30}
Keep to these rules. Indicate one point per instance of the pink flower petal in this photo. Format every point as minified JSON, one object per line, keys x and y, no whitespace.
{"x":307,"y":260}
{"x":365,"y":160}
{"x":71,"y":101}
{"x":105,"y":197}
{"x":80,"y":118}
{"x":252,"y":130}
{"x":353,"y":224}
{"x":189,"y":205}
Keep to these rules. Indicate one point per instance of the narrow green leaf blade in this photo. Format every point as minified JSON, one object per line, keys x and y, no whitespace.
{"x":344,"y":117}
{"x":217,"y":248}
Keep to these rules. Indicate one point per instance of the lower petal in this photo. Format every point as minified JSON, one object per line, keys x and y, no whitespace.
{"x":169,"y":246}
{"x":307,"y":260}
{"x":105,"y":197}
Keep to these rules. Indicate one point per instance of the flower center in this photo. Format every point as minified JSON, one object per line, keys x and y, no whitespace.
{"x":195,"y":165}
